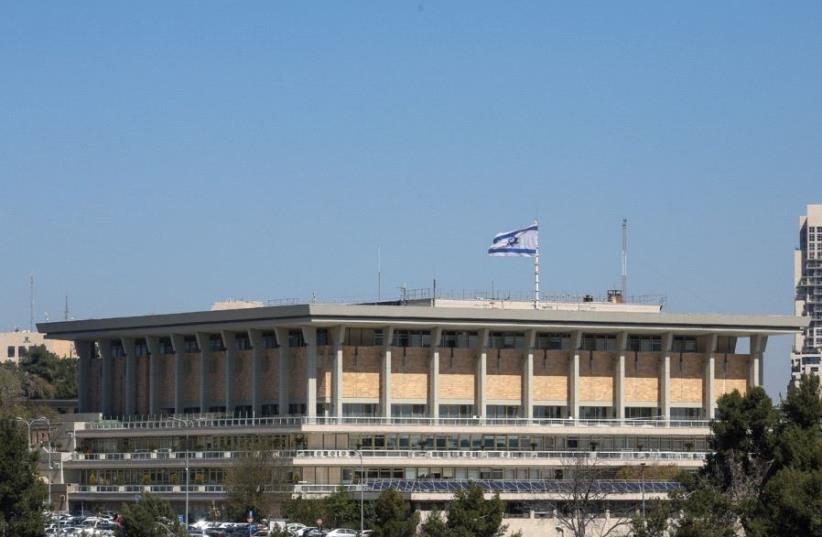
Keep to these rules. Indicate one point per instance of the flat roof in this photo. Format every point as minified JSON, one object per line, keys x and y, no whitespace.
{"x":411,"y":316}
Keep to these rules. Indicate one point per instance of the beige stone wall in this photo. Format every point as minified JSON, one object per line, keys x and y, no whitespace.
{"x":642,"y":377}
{"x":361,"y":373}
{"x":165,"y":395}
{"x":191,"y":382}
{"x":457,"y":367}
{"x":551,"y":376}
{"x":325,"y":366}
{"x":504,"y":375}
{"x":142,"y":385}
{"x":243,"y":371}
{"x":269,"y":385}
{"x":732,"y":377}
{"x":409,"y":372}
{"x":118,"y":372}
{"x":216,"y":379}
{"x":687,"y":378}
{"x":596,"y":376}
{"x":296,"y":375}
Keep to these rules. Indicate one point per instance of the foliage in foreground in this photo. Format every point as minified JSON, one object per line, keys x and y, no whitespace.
{"x":21,"y":492}
{"x":470,"y":514}
{"x":150,"y":517}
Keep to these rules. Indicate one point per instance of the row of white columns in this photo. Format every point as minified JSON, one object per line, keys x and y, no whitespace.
{"x":85,"y":350}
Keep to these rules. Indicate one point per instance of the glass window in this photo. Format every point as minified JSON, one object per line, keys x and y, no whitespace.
{"x":507,"y":340}
{"x":411,"y":338}
{"x":594,"y":412}
{"x":599,"y":343}
{"x":216,"y":343}
{"x":554,"y":342}
{"x":644,"y":413}
{"x":456,"y":411}
{"x":684,"y":344}
{"x":295,"y":338}
{"x":10,"y":351}
{"x":359,"y":410}
{"x":645,"y":343}
{"x":459,"y":340}
{"x":408,"y":410}
{"x":190,"y":344}
{"x":549,"y":412}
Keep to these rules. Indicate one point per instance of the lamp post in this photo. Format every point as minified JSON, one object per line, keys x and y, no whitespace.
{"x":29,"y":423}
{"x":362,"y":490}
{"x":187,"y":423}
{"x":642,"y":488}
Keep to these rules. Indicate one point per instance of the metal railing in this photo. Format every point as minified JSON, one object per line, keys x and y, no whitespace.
{"x":403,"y":485}
{"x":455,"y":454}
{"x":296,"y":422}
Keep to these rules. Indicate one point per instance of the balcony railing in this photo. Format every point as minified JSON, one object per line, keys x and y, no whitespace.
{"x":406,"y":485}
{"x":452,"y":455}
{"x":296,"y":422}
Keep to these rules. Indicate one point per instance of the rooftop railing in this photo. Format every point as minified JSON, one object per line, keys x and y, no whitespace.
{"x":194,"y":456}
{"x":178,"y":423}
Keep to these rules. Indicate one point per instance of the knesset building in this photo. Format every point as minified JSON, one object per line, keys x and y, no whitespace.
{"x":423,"y":396}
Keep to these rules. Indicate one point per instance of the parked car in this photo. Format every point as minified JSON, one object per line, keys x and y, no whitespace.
{"x":341,"y":532}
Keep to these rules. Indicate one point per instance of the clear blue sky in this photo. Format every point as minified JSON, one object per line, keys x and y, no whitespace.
{"x":155,"y":157}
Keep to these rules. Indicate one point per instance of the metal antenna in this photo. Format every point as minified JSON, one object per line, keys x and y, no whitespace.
{"x":625,"y":259}
{"x":31,"y":305}
{"x":66,"y":311}
{"x":379,"y":275}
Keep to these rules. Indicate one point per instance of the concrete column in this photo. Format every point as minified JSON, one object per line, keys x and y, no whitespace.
{"x":385,"y":372}
{"x":85,"y":350}
{"x":130,"y":380}
{"x":178,"y":342}
{"x":310,"y":338}
{"x":763,"y":344}
{"x":153,"y":344}
{"x":619,"y":376}
{"x":434,"y":374}
{"x":481,"y":394}
{"x":106,"y":376}
{"x":338,"y":337}
{"x":710,"y":396}
{"x":665,"y":377}
{"x":283,"y":396}
{"x":573,"y":375}
{"x":755,"y":369}
{"x":230,"y":344}
{"x":527,"y":403}
{"x":204,"y":343}
{"x":257,"y":354}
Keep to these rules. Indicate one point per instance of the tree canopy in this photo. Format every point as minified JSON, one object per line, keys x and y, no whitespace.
{"x":150,"y":517}
{"x":21,"y":493}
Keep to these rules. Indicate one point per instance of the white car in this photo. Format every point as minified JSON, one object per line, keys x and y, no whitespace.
{"x":341,"y":532}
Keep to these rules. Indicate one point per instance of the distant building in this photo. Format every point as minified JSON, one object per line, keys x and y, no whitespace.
{"x":16,"y":345}
{"x":807,"y":349}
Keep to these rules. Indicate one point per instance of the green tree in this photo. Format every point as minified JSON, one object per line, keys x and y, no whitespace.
{"x":250,"y":484}
{"x":470,"y":514}
{"x":434,"y":525}
{"x":655,"y":523}
{"x":150,"y":517}
{"x":393,"y":516}
{"x":340,"y":509}
{"x":21,"y":493}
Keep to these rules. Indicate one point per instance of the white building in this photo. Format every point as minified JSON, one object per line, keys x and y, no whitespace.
{"x":807,"y":350}
{"x":16,"y":345}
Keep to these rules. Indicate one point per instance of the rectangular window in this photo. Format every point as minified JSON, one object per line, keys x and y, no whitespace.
{"x":359,"y":410}
{"x":692,"y":413}
{"x":409,"y":411}
{"x":554,"y":342}
{"x":242,"y":342}
{"x":322,"y":336}
{"x":190,"y":344}
{"x":502,"y":411}
{"x":10,"y":351}
{"x":117,"y":350}
{"x":645,"y":343}
{"x":269,"y":340}
{"x":216,"y":343}
{"x":296,"y":409}
{"x":165,"y":346}
{"x":684,"y":344}
{"x":459,"y":340}
{"x":549,"y":412}
{"x":599,"y":343}
{"x":411,"y":338}
{"x":456,"y":411}
{"x":270,"y":409}
{"x":295,"y":338}
{"x":22,"y":352}
{"x":594,"y":412}
{"x":507,"y":340}
{"x":641,"y":413}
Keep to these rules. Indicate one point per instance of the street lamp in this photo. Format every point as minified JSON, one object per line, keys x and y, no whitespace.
{"x":29,"y":423}
{"x":642,"y":488}
{"x":187,"y":423}
{"x":362,"y":489}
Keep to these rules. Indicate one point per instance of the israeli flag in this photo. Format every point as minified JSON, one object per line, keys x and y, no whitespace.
{"x":522,"y":242}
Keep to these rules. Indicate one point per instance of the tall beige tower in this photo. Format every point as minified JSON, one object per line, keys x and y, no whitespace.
{"x":807,"y":348}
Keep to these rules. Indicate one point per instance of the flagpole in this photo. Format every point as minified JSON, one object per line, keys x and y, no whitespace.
{"x":536,"y":270}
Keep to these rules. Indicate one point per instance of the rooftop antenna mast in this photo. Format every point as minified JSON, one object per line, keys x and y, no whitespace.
{"x":379,"y":274}
{"x":66,"y":311}
{"x":625,"y":259}
{"x":31,"y":304}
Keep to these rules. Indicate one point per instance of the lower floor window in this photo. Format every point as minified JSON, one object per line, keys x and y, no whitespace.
{"x":456,"y":411}
{"x":502,"y":411}
{"x":549,"y":412}
{"x":594,"y":412}
{"x":409,"y":411}
{"x":645,"y":413}
{"x":360,"y":410}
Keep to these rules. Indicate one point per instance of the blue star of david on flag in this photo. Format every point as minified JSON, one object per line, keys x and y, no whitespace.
{"x":520,"y":242}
